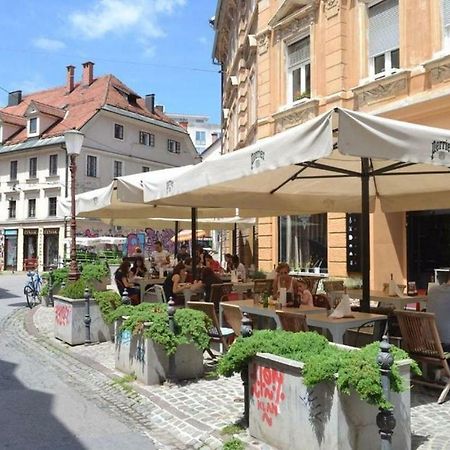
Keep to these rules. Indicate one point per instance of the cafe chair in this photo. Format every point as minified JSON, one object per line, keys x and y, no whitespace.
{"x":421,"y":340}
{"x":219,"y":293}
{"x":332,"y":285}
{"x":233,"y":317}
{"x":321,"y":301}
{"x":292,"y":321}
{"x":160,"y":294}
{"x":217,"y":333}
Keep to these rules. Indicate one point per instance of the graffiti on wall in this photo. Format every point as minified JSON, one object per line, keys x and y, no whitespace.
{"x":164,"y":236}
{"x":267,"y":391}
{"x":62,"y":315}
{"x":124,"y":337}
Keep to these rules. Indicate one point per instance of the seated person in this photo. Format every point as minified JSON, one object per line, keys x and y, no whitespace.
{"x":175,"y":284}
{"x":239,"y":268}
{"x":123,"y":278}
{"x":284,"y":280}
{"x":304,"y":294}
{"x":160,"y":257}
{"x":209,"y":278}
{"x":228,"y":262}
{"x":183,"y":254}
{"x":439,"y":304}
{"x":139,"y":269}
{"x":212,"y":263}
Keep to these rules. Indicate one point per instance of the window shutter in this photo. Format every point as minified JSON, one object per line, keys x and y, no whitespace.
{"x":383,"y":27}
{"x":298,"y":52}
{"x":446,"y":12}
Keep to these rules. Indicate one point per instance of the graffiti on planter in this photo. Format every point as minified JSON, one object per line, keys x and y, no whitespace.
{"x":267,"y":390}
{"x":140,"y":353}
{"x":62,"y":314}
{"x":311,"y":400}
{"x":124,"y":337}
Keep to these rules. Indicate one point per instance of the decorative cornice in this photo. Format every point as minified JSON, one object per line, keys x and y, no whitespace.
{"x":263,"y":39}
{"x":296,"y":115}
{"x":438,"y":70}
{"x":331,"y":7}
{"x":295,"y":26}
{"x":383,"y":89}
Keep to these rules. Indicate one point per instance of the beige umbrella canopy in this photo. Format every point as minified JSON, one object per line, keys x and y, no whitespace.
{"x":186,"y":235}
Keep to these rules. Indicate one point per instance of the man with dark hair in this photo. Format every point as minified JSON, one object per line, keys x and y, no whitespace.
{"x":439,"y":304}
{"x":183,"y":254}
{"x":160,"y":257}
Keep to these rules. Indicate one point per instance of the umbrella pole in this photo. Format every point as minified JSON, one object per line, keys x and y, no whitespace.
{"x":365,"y":235}
{"x":194,"y":242}
{"x":234,"y":243}
{"x":177,"y":230}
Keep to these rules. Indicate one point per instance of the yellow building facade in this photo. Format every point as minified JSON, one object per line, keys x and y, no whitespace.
{"x":285,"y":62}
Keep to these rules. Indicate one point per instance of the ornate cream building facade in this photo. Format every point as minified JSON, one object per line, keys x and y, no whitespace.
{"x":285,"y":62}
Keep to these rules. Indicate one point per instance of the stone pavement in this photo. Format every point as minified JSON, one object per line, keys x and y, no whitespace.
{"x":191,"y":415}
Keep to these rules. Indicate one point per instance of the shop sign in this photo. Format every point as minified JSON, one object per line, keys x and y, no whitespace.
{"x":53,"y":231}
{"x":30,"y":232}
{"x":10,"y":232}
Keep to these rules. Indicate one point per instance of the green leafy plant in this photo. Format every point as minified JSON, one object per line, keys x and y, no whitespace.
{"x":108,"y":302}
{"x":322,"y":361}
{"x":95,"y":271}
{"x":233,"y":428}
{"x":59,"y":276}
{"x":152,"y":320}
{"x":259,"y":275}
{"x":74,"y":289}
{"x":234,"y":444}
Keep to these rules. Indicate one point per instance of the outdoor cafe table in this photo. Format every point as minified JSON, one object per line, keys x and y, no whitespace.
{"x":338,"y":327}
{"x":243,"y":286}
{"x":398,"y":302}
{"x":248,"y":306}
{"x":143,"y":282}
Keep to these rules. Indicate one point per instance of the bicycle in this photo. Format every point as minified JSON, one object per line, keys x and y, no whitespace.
{"x":32,"y":289}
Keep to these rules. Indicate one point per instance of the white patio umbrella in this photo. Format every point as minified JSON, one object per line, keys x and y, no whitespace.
{"x":300,"y":170}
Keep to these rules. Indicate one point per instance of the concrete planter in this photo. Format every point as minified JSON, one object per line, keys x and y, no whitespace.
{"x":287,"y":415}
{"x":69,"y":321}
{"x":150,"y":362}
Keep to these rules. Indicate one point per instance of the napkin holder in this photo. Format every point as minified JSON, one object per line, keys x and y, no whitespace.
{"x":282,"y":296}
{"x":343,"y":309}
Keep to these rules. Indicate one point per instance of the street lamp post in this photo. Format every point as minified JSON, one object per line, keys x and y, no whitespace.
{"x":74,"y":142}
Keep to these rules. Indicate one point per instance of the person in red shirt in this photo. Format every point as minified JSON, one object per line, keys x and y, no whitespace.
{"x":212,"y":264}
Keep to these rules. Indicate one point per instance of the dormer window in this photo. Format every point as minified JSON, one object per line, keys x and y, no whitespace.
{"x":33,"y":126}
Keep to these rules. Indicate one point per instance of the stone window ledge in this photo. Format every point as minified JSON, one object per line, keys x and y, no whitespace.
{"x":382,"y":89}
{"x":438,"y":69}
{"x":298,"y":113}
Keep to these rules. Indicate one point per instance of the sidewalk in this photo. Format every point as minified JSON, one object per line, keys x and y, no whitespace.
{"x":194,"y":412}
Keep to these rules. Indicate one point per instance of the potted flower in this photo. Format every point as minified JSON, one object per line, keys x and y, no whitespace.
{"x":145,"y":342}
{"x":302,"y":385}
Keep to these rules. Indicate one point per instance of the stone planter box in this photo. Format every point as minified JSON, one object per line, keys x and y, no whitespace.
{"x":148,"y":360}
{"x":69,"y":321}
{"x":287,"y":415}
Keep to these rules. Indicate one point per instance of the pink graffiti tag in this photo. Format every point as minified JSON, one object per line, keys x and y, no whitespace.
{"x":267,"y":388}
{"x":62,"y":314}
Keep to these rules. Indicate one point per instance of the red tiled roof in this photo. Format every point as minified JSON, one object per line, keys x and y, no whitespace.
{"x":81,"y":105}
{"x":13,"y":119}
{"x":48,"y":109}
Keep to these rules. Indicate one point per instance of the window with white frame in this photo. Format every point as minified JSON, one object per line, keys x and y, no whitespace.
{"x":91,"y":166}
{"x":147,"y":139}
{"x":200,"y":137}
{"x":384,"y":53}
{"x":446,"y":22}
{"x":32,"y":207}
{"x":173,"y":146}
{"x":298,"y":70}
{"x":13,"y":170}
{"x":53,"y":165}
{"x":12,"y":209}
{"x":32,"y":173}
{"x":33,"y":126}
{"x":118,"y":169}
{"x":118,"y":131}
{"x":52,"y":206}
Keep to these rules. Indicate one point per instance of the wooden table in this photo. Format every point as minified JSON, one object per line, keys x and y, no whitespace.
{"x":242,"y":287}
{"x":338,"y":327}
{"x":143,"y":282}
{"x":382,"y":297}
{"x":247,"y":306}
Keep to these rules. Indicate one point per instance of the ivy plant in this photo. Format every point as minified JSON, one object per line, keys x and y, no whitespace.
{"x":108,"y":302}
{"x":351,"y":370}
{"x":74,"y":289}
{"x":152,"y":320}
{"x":94,"y":271}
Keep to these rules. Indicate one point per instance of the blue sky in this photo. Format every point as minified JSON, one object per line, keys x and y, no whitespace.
{"x":148,"y":44}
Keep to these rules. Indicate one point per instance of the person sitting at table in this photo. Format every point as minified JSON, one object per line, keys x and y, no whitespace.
{"x":175,"y":284}
{"x":208,"y":278}
{"x":284,"y":280}
{"x":200,"y":255}
{"x":139,"y":269}
{"x":160,"y":257}
{"x":183,"y":254}
{"x":239,"y":268}
{"x":123,"y":279}
{"x":212,"y":263}
{"x":304,"y":294}
{"x":439,"y":304}
{"x":228,"y":262}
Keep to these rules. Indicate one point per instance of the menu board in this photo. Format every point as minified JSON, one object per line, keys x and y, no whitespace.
{"x":353,"y":232}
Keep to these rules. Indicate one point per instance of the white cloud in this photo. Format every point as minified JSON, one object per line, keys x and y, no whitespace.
{"x":143,"y":17}
{"x":52,"y":45}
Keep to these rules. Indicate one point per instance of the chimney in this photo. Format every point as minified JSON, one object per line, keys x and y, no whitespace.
{"x":14,"y":98}
{"x":150,"y":102}
{"x":159,"y":108}
{"x":70,"y":82}
{"x":184,"y":124}
{"x":88,"y":73}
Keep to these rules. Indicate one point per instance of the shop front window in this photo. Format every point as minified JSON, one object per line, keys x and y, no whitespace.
{"x":303,"y":242}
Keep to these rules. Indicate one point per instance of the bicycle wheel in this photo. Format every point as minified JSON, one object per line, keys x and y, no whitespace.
{"x":31,"y":296}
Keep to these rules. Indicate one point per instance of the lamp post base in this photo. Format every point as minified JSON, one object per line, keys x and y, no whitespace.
{"x":74,"y":273}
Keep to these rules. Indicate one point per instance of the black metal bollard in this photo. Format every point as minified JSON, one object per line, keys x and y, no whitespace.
{"x":125,"y":299}
{"x":50,"y":287}
{"x":87,"y":316}
{"x":246,"y":331}
{"x":385,"y":418}
{"x":171,"y":312}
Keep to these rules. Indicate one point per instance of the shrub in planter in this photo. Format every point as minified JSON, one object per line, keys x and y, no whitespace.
{"x":108,"y":302}
{"x":75,"y":289}
{"x":97,"y":275}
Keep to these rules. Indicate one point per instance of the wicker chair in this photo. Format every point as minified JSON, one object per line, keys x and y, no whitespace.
{"x":292,"y":321}
{"x":217,"y":333}
{"x":421,"y":339}
{"x":333,"y":285}
{"x":321,"y":301}
{"x":233,"y":317}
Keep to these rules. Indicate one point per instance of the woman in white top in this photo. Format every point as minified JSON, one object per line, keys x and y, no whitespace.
{"x":239,"y":268}
{"x":284,"y":280}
